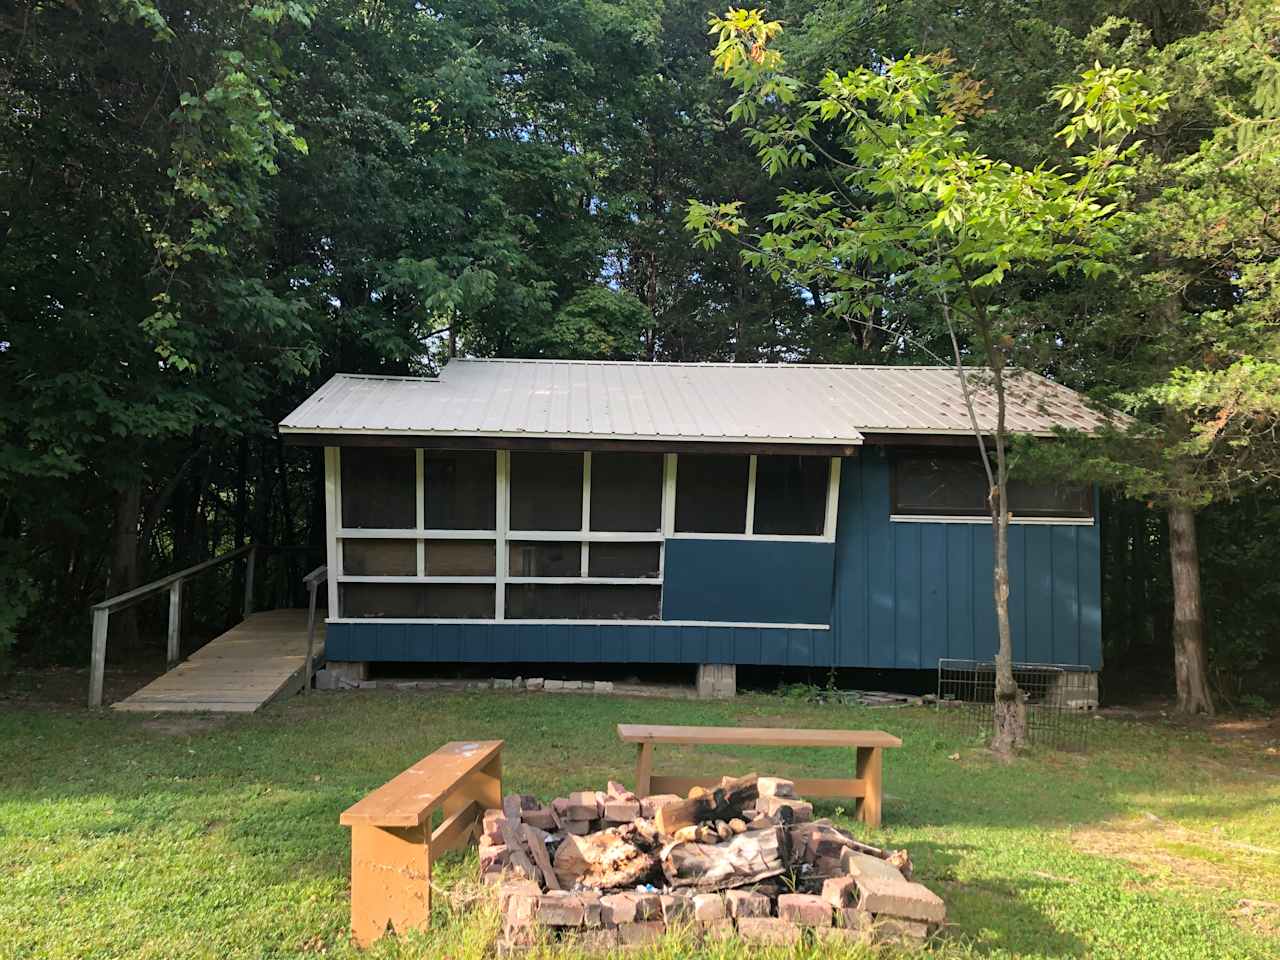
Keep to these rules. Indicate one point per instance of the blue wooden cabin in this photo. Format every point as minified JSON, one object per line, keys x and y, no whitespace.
{"x":518,"y":512}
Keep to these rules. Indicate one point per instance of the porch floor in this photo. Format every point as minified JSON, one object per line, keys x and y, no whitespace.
{"x":259,"y":659}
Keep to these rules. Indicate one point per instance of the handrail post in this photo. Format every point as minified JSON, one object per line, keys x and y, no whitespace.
{"x":98,"y":657}
{"x":175,"y":624}
{"x":249,"y":564}
{"x":312,"y":586}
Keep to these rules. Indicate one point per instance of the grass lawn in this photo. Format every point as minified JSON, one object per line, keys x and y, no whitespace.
{"x":125,"y":836}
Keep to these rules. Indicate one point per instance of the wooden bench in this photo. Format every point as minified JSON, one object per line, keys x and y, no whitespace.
{"x":866,"y":786}
{"x":392,"y":843}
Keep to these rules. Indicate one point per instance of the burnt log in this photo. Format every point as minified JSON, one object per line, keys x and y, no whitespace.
{"x":748,"y":858}
{"x":725,"y":802}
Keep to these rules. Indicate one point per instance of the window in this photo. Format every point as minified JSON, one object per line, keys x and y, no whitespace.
{"x":791,"y":495}
{"x":460,"y":489}
{"x":711,"y":493}
{"x":956,"y":486}
{"x":379,"y":488}
{"x":546,"y":491}
{"x":626,"y":491}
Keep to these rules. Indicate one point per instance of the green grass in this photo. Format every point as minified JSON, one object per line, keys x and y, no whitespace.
{"x":126,"y":837}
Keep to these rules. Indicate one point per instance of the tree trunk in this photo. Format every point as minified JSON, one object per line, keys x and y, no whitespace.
{"x":1190,"y":662}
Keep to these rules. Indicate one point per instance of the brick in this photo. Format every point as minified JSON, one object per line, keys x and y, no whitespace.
{"x":492,"y":824}
{"x":649,"y":806}
{"x":552,"y":685}
{"x":619,"y":908}
{"x":776,"y":787}
{"x":592,"y":909}
{"x":709,"y":908}
{"x":841,"y":936}
{"x":857,"y":864}
{"x":839,"y":891}
{"x":801,"y":810}
{"x":579,"y":828}
{"x":804,"y":909}
{"x":572,"y":684}
{"x":768,"y":930}
{"x":747,"y":903}
{"x":522,"y":907}
{"x":640,"y":932}
{"x":892,"y":930}
{"x":565,"y":910}
{"x":599,"y":940}
{"x":604,"y":686}
{"x":621,"y":811}
{"x":584,"y":805}
{"x":542,"y":818}
{"x":718,"y":929}
{"x":494,"y":856}
{"x":534,"y":683}
{"x":618,"y":791}
{"x":900,"y":899}
{"x":515,"y":888}
{"x":676,"y":909}
{"x":851,"y":918}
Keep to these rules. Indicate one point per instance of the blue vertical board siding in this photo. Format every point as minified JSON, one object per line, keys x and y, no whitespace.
{"x":908,"y":593}
{"x":897,"y":594}
{"x":749,"y":581}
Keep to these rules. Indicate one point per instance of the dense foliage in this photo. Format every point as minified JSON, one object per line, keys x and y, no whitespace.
{"x":208,"y":207}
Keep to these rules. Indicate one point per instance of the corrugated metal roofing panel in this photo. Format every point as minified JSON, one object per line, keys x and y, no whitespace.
{"x":773,"y":403}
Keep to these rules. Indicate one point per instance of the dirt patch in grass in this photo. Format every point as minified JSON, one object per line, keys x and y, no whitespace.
{"x":1180,"y":857}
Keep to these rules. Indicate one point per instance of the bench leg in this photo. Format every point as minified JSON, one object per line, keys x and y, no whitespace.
{"x":644,"y":768}
{"x":390,"y":880}
{"x":869,"y":768}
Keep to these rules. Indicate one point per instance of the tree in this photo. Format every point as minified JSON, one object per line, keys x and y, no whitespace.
{"x":974,"y":235}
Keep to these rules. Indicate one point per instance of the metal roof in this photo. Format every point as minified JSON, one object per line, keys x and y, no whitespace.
{"x":702,"y":402}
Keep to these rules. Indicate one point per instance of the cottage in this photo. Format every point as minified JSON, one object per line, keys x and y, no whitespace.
{"x":521,"y":511}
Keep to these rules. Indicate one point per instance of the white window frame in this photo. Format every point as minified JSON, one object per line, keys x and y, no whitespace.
{"x":828,"y":534}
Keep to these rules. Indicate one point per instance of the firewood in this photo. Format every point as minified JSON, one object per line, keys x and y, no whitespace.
{"x":606,"y":860}
{"x":747,"y":858}
{"x":723,"y":803}
{"x":515,"y":850}
{"x":537,"y":840}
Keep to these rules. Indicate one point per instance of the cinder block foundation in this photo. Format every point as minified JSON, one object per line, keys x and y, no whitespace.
{"x":717,"y":681}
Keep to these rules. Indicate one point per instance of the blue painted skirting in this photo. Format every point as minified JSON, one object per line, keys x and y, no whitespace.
{"x":585,"y":643}
{"x":748,"y":581}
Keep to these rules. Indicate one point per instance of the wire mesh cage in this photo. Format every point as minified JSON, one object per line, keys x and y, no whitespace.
{"x":1060,"y":699}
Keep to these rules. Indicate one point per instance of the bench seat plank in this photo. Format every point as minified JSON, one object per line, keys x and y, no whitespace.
{"x":755,"y":736}
{"x":409,"y":799}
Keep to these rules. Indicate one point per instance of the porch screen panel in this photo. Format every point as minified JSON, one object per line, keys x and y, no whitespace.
{"x":624,"y":559}
{"x":585,"y":602}
{"x":379,"y":488}
{"x":399,"y":600}
{"x":791,"y":495}
{"x":626,"y":492}
{"x":545,"y":559}
{"x":460,"y":558}
{"x":379,"y":558}
{"x":546,"y":491}
{"x":711,"y":493}
{"x":459,"y":489}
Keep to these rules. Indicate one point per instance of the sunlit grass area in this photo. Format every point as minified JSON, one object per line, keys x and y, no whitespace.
{"x":127,"y":836}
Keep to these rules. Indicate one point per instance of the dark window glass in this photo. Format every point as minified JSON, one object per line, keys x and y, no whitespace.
{"x":623,"y":559}
{"x":550,"y":559}
{"x":460,"y":489}
{"x":379,"y":487}
{"x":626,"y":491}
{"x":461,"y":558}
{"x":382,"y":600}
{"x":380,"y":558}
{"x":711,"y":493}
{"x":586,"y":602}
{"x":546,"y":491}
{"x":791,"y":495}
{"x":1049,"y":500}
{"x":957,"y":486}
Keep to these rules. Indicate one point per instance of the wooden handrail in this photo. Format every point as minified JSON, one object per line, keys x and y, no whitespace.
{"x":313,"y":580}
{"x":173,"y":583}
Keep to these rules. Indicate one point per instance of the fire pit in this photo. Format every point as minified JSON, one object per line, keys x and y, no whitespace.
{"x":746,"y":859}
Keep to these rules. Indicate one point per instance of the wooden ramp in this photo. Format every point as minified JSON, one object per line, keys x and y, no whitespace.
{"x":257,"y":660}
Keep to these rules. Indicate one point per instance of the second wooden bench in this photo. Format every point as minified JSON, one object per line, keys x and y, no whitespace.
{"x":866,"y":786}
